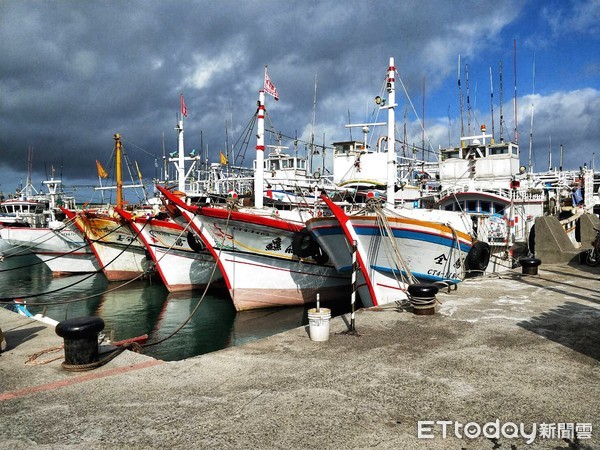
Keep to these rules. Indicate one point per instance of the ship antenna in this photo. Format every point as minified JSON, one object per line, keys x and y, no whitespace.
{"x":460,"y":96}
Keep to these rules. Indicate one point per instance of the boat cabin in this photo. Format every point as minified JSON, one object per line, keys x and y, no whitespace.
{"x":281,"y":165}
{"x":355,"y":164}
{"x":488,"y":162}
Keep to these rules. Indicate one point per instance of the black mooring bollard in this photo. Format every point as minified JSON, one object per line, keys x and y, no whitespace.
{"x":422,"y":297}
{"x":81,"y":339}
{"x":529,"y":265}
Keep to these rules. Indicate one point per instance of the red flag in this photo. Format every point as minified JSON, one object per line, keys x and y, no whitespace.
{"x":269,"y":86}
{"x":183,"y":107}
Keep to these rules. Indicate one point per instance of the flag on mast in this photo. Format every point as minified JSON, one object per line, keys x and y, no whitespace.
{"x":223,"y":158}
{"x":101,"y":172}
{"x":183,"y":107}
{"x":269,"y":87}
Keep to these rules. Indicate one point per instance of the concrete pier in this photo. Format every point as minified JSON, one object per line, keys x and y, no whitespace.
{"x":501,"y":350}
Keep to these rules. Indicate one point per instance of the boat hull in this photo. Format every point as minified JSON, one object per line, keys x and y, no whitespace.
{"x":65,"y":250}
{"x":180,"y":266}
{"x":121,"y":255}
{"x":393,"y":251}
{"x":254,"y":251}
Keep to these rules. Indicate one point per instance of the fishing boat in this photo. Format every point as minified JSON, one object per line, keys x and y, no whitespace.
{"x":119,"y":251}
{"x":254,"y":245}
{"x":58,"y":243}
{"x":394,"y":247}
{"x":255,"y":254}
{"x":181,"y":259}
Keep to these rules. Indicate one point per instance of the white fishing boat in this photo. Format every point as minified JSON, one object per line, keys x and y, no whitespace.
{"x":181,"y":259}
{"x":255,"y":253}
{"x":56,"y":242}
{"x":484,"y":179}
{"x":119,"y":251}
{"x":394,"y":246}
{"x":254,"y":246}
{"x":61,"y":246}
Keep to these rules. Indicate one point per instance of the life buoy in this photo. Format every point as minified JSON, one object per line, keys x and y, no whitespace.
{"x":195,"y":242}
{"x":477,"y":259}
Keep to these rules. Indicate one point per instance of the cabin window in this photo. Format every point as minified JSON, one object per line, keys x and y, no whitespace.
{"x":301,"y":164}
{"x":498,"y":208}
{"x":285,"y":163}
{"x":453,"y":154}
{"x":499,"y":151}
{"x":485,"y":207}
{"x":449,"y":207}
{"x":471,"y":205}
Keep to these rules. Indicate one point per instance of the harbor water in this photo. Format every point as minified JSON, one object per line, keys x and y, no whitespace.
{"x":146,"y":307}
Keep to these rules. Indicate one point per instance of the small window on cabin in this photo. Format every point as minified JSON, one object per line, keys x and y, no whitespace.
{"x":449,"y":207}
{"x":498,"y":208}
{"x":472,"y":206}
{"x":485,"y":207}
{"x":301,"y":164}
{"x":500,"y":151}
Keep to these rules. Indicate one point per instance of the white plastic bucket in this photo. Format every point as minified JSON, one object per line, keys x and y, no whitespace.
{"x":318,"y":324}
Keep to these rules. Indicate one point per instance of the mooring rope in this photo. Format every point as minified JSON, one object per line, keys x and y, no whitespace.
{"x":215,"y":265}
{"x":9,"y":300}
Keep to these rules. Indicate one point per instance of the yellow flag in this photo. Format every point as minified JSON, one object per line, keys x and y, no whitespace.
{"x":101,"y":172}
{"x":223,"y":158}
{"x":138,"y":171}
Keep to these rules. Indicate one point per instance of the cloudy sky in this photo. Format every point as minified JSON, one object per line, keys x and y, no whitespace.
{"x":73,"y":73}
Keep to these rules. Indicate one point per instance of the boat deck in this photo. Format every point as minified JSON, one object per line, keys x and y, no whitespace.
{"x":511,"y":348}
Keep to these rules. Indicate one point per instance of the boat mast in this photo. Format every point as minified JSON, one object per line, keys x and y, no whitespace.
{"x":468,"y":100}
{"x":492,"y":102}
{"x":423,"y":130}
{"x":530,"y":165}
{"x":501,"y":115}
{"x":181,"y":156}
{"x":259,"y":173}
{"x":391,"y":140}
{"x":118,"y":169}
{"x":460,"y":96}
{"x":515,"y":70}
{"x":549,"y":153}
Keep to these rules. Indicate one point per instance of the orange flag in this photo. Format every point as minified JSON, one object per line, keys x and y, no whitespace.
{"x":101,"y":172}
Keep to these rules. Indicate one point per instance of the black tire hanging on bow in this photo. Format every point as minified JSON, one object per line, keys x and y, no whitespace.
{"x":478,"y":258}
{"x":195,"y":242}
{"x":303,"y":244}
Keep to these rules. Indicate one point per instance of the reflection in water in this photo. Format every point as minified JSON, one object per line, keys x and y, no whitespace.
{"x":142,"y":307}
{"x":208,"y":330}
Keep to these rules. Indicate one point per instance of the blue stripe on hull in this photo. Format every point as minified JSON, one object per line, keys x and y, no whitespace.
{"x":403,"y":234}
{"x":420,"y":276}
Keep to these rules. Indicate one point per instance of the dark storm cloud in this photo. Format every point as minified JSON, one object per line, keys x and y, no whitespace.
{"x":74,"y":73}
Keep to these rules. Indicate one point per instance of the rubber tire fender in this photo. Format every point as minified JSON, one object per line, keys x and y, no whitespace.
{"x":478,"y":257}
{"x":195,"y":242}
{"x":303,"y":244}
{"x":320,"y":256}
